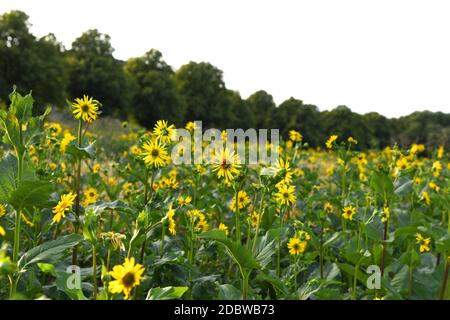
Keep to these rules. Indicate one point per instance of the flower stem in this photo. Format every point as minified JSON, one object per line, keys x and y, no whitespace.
{"x":94,"y":271}
{"x":238,"y":218}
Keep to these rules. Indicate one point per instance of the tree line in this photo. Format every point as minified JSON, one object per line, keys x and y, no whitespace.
{"x":145,"y":89}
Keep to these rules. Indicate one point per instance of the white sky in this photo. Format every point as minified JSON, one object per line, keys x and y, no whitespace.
{"x":388,"y":56}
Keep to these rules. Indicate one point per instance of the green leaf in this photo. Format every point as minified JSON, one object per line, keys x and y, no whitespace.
{"x":381,"y":184}
{"x":167,"y":293}
{"x":229,"y":292}
{"x":403,"y":187}
{"x":64,"y":284}
{"x":31,"y":194}
{"x":276,"y":283}
{"x":49,"y":251}
{"x":240,"y":254}
{"x":264,"y":250}
{"x":47,"y":268}
{"x":8,"y":177}
{"x":21,"y":107}
{"x":81,"y":153}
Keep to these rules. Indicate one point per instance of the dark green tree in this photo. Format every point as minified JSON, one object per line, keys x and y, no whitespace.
{"x":262,"y":105}
{"x":156,"y":96}
{"x":95,"y":72}
{"x":203,"y":91}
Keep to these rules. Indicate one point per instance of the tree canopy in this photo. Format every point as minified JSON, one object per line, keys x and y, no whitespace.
{"x":147,"y":88}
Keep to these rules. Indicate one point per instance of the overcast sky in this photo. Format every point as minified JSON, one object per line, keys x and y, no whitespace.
{"x":389,"y":56}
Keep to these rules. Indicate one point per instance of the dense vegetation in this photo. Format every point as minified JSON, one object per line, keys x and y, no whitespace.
{"x":146,"y":88}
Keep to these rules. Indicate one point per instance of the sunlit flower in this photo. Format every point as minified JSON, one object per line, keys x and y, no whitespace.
{"x":224,"y":228}
{"x":226,"y":165}
{"x":296,"y":246}
{"x":155,"y":154}
{"x":285,"y":195}
{"x":348,"y":212}
{"x":190,"y":126}
{"x":436,"y":168}
{"x":385,"y":215}
{"x":170,"y":215}
{"x":163,"y":131}
{"x":184,"y":201}
{"x":86,"y":109}
{"x":254,"y":218}
{"x":331,"y":140}
{"x":327,"y":207}
{"x":352,"y":140}
{"x":295,"y":136}
{"x":63,"y":206}
{"x":424,"y":243}
{"x":68,"y":138}
{"x":243,"y":201}
{"x":127,"y":276}
{"x":425,"y":197}
{"x":2,"y":210}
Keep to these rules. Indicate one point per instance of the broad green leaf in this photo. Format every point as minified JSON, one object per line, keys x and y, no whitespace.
{"x":240,"y":254}
{"x":229,"y":292}
{"x":276,"y":283}
{"x":264,"y":250}
{"x":65,"y":283}
{"x":167,"y":293}
{"x":403,"y":187}
{"x":81,"y":153}
{"x":49,"y":251}
{"x":21,"y":106}
{"x":31,"y":194}
{"x":8,"y":177}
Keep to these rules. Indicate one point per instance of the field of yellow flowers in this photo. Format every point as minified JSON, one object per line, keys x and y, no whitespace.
{"x":86,"y":216}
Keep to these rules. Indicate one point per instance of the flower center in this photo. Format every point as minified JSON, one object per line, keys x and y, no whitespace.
{"x":155,"y":152}
{"x":128,"y":279}
{"x":85,"y":108}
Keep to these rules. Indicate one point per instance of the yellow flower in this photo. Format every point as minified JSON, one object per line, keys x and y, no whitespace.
{"x":433,"y":186}
{"x":296,"y":246}
{"x":295,"y":136}
{"x":424,"y":243}
{"x":352,"y":140}
{"x":2,"y":232}
{"x":243,"y":201}
{"x":135,"y":150}
{"x":440,"y":152}
{"x":417,"y":180}
{"x":86,"y":109}
{"x":254,"y":218}
{"x":184,"y":201}
{"x":163,"y":131}
{"x":331,"y":140}
{"x":402,"y":163}
{"x":327,"y":207}
{"x":226,"y":165}
{"x":190,"y":126}
{"x":170,"y":215}
{"x":385,"y":215}
{"x":126,"y":188}
{"x":2,"y":210}
{"x":426,"y":198}
{"x":285,"y":195}
{"x":55,"y":129}
{"x":90,"y":196}
{"x":96,"y":168}
{"x":127,"y":276}
{"x":224,"y":228}
{"x":155,"y":154}
{"x":64,"y":205}
{"x":437,"y":167}
{"x":282,"y":166}
{"x":202,"y":225}
{"x":348,"y":212}
{"x":289,"y":144}
{"x":68,"y":137}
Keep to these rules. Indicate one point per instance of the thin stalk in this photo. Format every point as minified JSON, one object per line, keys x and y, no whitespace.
{"x":444,"y":281}
{"x":94,"y":271}
{"x":321,"y":251}
{"x":238,"y":218}
{"x":77,"y":191}
{"x":384,"y":247}
{"x":260,"y":215}
{"x":245,"y":277}
{"x":279,"y":244}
